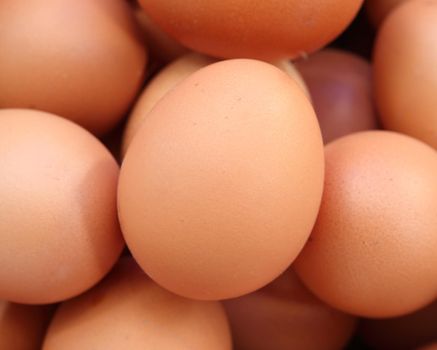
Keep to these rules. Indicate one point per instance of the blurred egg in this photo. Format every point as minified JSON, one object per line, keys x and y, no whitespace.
{"x":401,"y":333}
{"x":405,"y":70}
{"x":262,"y":29}
{"x":23,"y":327}
{"x":220,"y":188}
{"x":379,"y":9}
{"x":432,"y":346}
{"x":83,"y":60}
{"x":164,"y":81}
{"x":283,"y":316}
{"x":161,"y":47}
{"x":373,"y":251}
{"x":341,"y":91}
{"x":59,"y":232}
{"x":128,"y":311}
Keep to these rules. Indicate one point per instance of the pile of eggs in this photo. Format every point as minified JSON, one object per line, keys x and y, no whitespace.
{"x":216,"y":175}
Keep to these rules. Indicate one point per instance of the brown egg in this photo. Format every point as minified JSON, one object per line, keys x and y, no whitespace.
{"x":373,"y":250}
{"x":23,"y":327}
{"x":83,"y":60}
{"x":379,"y":9}
{"x":58,"y":222}
{"x":405,"y":70}
{"x":221,"y":186}
{"x":162,"y":47}
{"x":284,"y":316}
{"x":265,"y":29}
{"x":168,"y":78}
{"x":401,"y":333}
{"x":432,"y":346}
{"x":341,"y":90}
{"x":128,"y":311}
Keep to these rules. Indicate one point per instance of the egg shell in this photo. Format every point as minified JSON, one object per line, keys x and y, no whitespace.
{"x":373,"y":250}
{"x":285,"y":315}
{"x":405,"y":70}
{"x":23,"y":327}
{"x":264,"y":29}
{"x":83,"y":60}
{"x":340,"y":87}
{"x":432,"y":346}
{"x":401,"y":333}
{"x":59,"y":231}
{"x":221,"y":186}
{"x":128,"y":311}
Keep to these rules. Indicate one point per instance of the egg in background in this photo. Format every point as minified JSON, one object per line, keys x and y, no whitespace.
{"x":285,"y":315}
{"x":83,"y":60}
{"x":405,"y":70}
{"x":264,"y":29}
{"x":129,"y":311}
{"x":58,"y":219}
{"x":340,"y":86}
{"x":373,"y":250}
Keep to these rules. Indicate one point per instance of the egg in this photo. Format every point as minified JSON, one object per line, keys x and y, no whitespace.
{"x":83,"y":60}
{"x":128,"y":311}
{"x":340,"y":87}
{"x":373,"y":250}
{"x":283,"y":316}
{"x":59,"y":232}
{"x":162,"y":48}
{"x":432,"y":346}
{"x":241,"y":28}
{"x":379,"y":9}
{"x":164,"y":81}
{"x":220,"y":188}
{"x":401,"y":333}
{"x":23,"y":327}
{"x":405,"y":71}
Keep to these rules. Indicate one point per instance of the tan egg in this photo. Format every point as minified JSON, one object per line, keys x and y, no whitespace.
{"x":340,"y":86}
{"x":83,"y":60}
{"x":168,"y":78}
{"x":379,"y":9}
{"x":283,"y":316}
{"x":23,"y":327}
{"x":128,"y":311}
{"x":373,"y":251}
{"x":58,"y":222}
{"x":221,"y":186}
{"x":432,"y":346}
{"x":162,"y":47}
{"x":405,"y":70}
{"x":268,"y":30}
{"x":401,"y":333}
